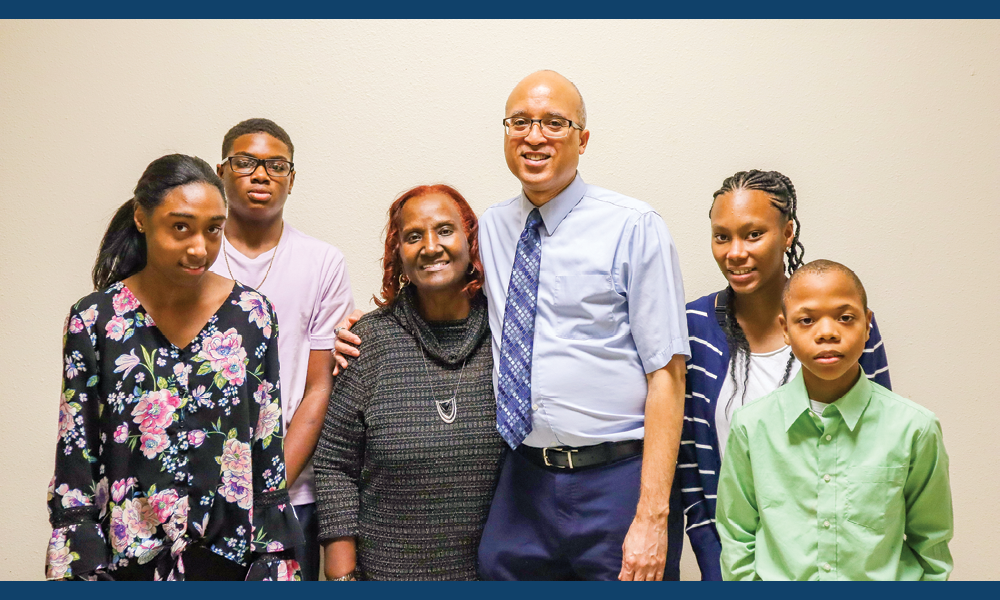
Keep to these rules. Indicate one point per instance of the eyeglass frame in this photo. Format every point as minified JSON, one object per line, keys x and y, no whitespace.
{"x":572,"y":125}
{"x":258,"y":162}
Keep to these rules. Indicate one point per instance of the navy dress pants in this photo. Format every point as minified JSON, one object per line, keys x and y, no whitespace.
{"x":560,"y":525}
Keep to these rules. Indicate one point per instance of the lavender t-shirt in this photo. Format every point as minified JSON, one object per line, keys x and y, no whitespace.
{"x":310,"y":290}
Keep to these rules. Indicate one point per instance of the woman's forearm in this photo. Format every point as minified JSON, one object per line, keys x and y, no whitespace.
{"x":339,"y":557}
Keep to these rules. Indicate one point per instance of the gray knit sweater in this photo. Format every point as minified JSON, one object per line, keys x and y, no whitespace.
{"x":413,"y":490}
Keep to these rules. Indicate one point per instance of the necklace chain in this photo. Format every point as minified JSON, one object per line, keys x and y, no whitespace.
{"x":266,"y":273}
{"x":448,"y":416}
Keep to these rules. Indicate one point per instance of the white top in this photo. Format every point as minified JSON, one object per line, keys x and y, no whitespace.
{"x":311,"y":293}
{"x":610,"y":309}
{"x":766,"y":371}
{"x":817,"y":407}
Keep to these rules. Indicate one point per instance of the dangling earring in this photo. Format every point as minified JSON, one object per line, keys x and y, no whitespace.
{"x":472,"y":269}
{"x":403,"y":281}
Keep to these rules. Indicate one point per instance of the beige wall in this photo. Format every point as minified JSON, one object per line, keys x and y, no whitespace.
{"x":890,"y":131}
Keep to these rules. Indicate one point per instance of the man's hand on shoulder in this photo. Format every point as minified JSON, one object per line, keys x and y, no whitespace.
{"x":347,"y":343}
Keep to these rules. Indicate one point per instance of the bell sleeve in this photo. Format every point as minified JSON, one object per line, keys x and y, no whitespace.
{"x":276,"y":530}
{"x":78,"y":495}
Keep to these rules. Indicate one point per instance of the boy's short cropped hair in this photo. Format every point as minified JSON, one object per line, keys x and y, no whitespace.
{"x":819,"y":267}
{"x":256,"y":125}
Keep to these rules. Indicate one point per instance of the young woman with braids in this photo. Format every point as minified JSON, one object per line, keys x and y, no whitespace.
{"x":738,"y":353}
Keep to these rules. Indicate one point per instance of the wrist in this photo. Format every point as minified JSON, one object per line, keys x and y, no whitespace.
{"x":652,"y":513}
{"x":349,"y":577}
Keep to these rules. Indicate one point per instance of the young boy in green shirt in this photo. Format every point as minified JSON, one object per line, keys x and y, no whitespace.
{"x":832,"y":476}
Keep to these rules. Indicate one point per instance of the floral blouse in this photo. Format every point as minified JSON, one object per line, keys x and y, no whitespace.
{"x":161,"y":447}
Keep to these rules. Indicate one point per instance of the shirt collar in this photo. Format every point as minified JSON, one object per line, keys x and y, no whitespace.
{"x":795,"y":401}
{"x":556,"y":209}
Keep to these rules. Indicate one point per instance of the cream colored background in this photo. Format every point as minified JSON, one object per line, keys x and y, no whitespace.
{"x":890,"y":131}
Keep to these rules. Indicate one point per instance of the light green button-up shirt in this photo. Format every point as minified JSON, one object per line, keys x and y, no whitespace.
{"x":859,"y":493}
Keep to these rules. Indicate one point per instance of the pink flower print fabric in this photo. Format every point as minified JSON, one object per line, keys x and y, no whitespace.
{"x":160,"y":447}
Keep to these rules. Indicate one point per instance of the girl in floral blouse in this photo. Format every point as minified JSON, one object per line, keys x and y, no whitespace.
{"x":169,"y":459}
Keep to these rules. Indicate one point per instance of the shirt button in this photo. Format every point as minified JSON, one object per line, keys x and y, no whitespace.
{"x":829,"y":437}
{"x":534,"y":407}
{"x":826,"y":524}
{"x":826,"y":478}
{"x":826,"y":566}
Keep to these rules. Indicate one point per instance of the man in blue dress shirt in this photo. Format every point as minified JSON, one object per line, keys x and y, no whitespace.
{"x":592,"y":399}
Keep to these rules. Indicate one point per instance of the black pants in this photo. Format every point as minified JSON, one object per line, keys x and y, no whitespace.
{"x":308,"y":554}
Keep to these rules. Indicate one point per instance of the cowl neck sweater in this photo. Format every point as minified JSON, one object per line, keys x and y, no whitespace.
{"x":405,"y":312}
{"x":412,"y":487}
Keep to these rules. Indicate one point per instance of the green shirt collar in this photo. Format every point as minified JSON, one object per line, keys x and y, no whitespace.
{"x":795,"y":401}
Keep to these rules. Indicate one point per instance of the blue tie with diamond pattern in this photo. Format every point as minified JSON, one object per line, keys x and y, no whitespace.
{"x":514,"y":384}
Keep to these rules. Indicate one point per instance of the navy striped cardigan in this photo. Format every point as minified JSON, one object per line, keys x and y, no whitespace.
{"x":698,"y":460}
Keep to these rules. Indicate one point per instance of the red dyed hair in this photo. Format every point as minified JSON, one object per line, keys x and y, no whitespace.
{"x":392,"y":266}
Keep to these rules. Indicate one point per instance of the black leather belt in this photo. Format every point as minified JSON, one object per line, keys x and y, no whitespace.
{"x":563,"y":457}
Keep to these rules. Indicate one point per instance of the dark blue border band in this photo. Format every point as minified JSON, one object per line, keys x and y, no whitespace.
{"x":466,"y":9}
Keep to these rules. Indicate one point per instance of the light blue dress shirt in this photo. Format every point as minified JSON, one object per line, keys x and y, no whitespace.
{"x":610,"y":310}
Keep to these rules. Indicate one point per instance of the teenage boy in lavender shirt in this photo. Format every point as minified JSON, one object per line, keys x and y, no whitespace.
{"x":307,"y":282}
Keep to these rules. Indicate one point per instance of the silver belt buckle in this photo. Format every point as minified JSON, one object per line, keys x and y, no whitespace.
{"x":569,"y":457}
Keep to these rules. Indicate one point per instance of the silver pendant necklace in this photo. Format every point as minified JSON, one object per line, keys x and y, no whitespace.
{"x":447,"y":409}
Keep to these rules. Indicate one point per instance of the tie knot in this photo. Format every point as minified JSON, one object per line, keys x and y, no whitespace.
{"x":534,"y":220}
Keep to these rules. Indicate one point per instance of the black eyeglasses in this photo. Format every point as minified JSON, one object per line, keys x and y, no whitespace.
{"x":551,"y":127}
{"x":275,"y":167}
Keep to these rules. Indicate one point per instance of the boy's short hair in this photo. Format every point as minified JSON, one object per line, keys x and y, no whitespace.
{"x":819,"y":267}
{"x":257,"y":125}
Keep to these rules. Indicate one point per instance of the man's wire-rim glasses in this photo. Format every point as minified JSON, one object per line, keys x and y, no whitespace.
{"x":551,"y":127}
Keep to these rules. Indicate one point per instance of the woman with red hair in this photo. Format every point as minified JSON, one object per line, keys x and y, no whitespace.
{"x":409,"y":453}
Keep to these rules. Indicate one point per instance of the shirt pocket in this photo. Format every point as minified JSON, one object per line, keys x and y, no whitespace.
{"x":584,"y":306}
{"x":872,"y":494}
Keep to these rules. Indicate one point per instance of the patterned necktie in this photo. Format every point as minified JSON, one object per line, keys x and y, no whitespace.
{"x":514,"y":393}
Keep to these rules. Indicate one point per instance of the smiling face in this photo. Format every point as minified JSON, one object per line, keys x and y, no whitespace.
{"x":256,"y":197}
{"x":749,"y":239}
{"x":826,"y":324}
{"x":433,"y":247}
{"x":544,"y":166}
{"x":183,"y":233}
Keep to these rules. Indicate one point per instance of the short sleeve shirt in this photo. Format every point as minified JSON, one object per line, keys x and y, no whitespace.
{"x":610,"y":309}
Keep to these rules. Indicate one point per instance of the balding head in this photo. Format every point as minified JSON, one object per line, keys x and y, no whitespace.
{"x":545,"y":163}
{"x":552,"y":78}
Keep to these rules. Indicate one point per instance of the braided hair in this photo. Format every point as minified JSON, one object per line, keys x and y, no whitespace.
{"x":783,"y":198}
